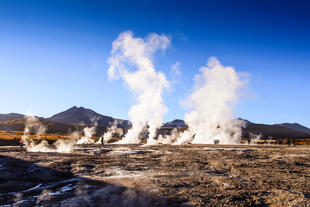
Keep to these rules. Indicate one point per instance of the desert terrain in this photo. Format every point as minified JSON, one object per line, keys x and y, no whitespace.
{"x":161,"y":175}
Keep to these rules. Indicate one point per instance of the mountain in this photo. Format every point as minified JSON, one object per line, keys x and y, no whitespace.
{"x":265,"y":130}
{"x":10,"y":116}
{"x":76,"y":118}
{"x":175,"y":123}
{"x":19,"y":125}
{"x":274,"y":131}
{"x":295,"y":126}
{"x":81,"y":115}
{"x":52,"y":127}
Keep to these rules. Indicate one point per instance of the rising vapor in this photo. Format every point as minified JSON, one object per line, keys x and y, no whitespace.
{"x":110,"y":132}
{"x":34,"y":127}
{"x":131,"y":60}
{"x":89,"y":132}
{"x":217,"y":89}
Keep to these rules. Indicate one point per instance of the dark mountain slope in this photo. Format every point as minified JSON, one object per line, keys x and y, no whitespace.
{"x":267,"y":131}
{"x":295,"y":126}
{"x":10,"y":116}
{"x":52,"y":127}
{"x":272,"y":131}
{"x":81,"y":115}
{"x":175,"y":123}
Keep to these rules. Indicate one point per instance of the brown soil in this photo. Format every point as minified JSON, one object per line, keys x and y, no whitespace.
{"x":132,"y":175}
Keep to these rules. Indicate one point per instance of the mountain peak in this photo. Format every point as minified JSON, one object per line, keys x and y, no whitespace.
{"x":80,"y":115}
{"x":77,"y":108}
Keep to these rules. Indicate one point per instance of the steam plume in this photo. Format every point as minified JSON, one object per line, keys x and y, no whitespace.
{"x":89,"y":132}
{"x":212,"y":118}
{"x":33,"y":126}
{"x":131,"y":60}
{"x":112,"y":130}
{"x":64,"y":145}
{"x":168,"y":139}
{"x":255,"y":137}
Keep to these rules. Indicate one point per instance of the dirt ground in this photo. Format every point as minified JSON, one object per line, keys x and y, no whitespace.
{"x":163,"y":175}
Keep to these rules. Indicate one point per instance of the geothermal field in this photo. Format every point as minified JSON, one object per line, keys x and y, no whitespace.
{"x":142,"y":161}
{"x":161,"y":175}
{"x":206,"y":157}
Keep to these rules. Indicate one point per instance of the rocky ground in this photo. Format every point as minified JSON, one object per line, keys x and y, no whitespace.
{"x":163,"y":175}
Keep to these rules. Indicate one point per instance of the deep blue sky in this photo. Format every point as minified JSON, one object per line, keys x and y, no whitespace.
{"x":53,"y":53}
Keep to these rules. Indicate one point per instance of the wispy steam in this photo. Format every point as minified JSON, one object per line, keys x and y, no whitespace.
{"x":168,"y":139}
{"x":175,"y":68}
{"x":212,"y":118}
{"x":64,"y":145}
{"x":89,"y":132}
{"x":131,"y":60}
{"x":255,"y":137}
{"x":33,"y":127}
{"x":111,"y":131}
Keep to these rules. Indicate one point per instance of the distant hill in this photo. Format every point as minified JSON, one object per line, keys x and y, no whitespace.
{"x":175,"y":123}
{"x":295,"y":126}
{"x":52,"y":127}
{"x":267,"y":131}
{"x":81,"y":115}
{"x":76,"y":118}
{"x":274,"y":131}
{"x":10,"y":116}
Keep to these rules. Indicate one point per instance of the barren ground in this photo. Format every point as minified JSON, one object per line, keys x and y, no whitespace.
{"x":132,"y":175}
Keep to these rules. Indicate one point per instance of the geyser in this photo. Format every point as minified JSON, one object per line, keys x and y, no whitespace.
{"x":217,"y":89}
{"x":131,"y":60}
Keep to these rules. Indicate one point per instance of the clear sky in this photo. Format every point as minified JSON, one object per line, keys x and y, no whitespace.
{"x":53,"y":54}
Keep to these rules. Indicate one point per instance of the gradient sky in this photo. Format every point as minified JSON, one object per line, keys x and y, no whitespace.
{"x":53,"y":54}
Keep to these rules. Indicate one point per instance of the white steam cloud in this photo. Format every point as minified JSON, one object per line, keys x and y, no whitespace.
{"x":216,"y":92}
{"x":168,"y":139}
{"x":89,"y":132}
{"x":111,"y":131}
{"x":33,"y":127}
{"x":255,"y":137}
{"x":131,"y":60}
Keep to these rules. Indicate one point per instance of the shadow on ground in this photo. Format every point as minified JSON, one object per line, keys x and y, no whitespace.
{"x":24,"y":183}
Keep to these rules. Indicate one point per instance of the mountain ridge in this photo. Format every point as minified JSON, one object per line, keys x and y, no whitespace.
{"x":295,"y":126}
{"x":10,"y":116}
{"x":265,"y":130}
{"x":81,"y":117}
